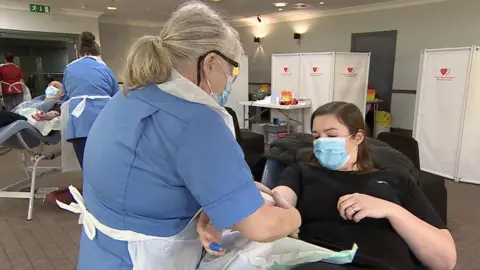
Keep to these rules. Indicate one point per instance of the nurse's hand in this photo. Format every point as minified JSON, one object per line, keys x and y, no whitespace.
{"x":263,"y":188}
{"x":208,"y":234}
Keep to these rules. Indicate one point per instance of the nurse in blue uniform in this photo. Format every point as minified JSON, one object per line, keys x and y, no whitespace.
{"x":165,"y":149}
{"x":86,"y":80}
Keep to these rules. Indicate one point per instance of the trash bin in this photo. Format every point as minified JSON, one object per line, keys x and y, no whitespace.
{"x":383,"y":122}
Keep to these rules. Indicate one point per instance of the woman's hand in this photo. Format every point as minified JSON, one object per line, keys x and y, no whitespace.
{"x":359,"y":206}
{"x":208,"y":234}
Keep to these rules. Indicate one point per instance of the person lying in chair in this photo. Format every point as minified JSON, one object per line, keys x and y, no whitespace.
{"x":343,"y":200}
{"x":43,"y":108}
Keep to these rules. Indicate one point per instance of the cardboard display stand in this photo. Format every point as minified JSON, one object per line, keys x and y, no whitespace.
{"x":447,"y":113}
{"x":322,"y":78}
{"x":239,"y":91}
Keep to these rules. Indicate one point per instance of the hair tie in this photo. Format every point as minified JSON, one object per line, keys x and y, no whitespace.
{"x":159,"y":41}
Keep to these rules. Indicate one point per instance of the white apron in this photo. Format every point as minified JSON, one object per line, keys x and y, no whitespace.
{"x":183,"y":88}
{"x":69,"y":158}
{"x":180,"y":252}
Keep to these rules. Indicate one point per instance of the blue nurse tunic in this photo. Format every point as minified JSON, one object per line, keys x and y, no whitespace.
{"x":151,"y":161}
{"x":87,"y":77}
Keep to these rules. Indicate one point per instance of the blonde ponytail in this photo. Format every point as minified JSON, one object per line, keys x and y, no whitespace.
{"x":193,"y":30}
{"x":148,"y":62}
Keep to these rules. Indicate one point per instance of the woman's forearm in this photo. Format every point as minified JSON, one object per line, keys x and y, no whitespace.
{"x":269,"y":223}
{"x":434,"y":248}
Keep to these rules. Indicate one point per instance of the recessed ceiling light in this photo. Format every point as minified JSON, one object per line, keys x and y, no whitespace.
{"x":280,"y":4}
{"x":112,"y":8}
{"x":321,"y":3}
{"x":300,"y":5}
{"x":280,"y":9}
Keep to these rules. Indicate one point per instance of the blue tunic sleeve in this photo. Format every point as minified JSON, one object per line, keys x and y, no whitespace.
{"x":212,"y":166}
{"x":114,"y":84}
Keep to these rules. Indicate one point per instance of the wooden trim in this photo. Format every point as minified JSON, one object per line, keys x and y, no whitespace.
{"x":402,"y":91}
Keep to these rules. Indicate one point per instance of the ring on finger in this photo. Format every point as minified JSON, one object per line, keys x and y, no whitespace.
{"x":354,"y":208}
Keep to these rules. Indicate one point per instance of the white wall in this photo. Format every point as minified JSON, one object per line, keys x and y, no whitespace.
{"x":25,"y":20}
{"x":446,"y":24}
{"x":116,"y":40}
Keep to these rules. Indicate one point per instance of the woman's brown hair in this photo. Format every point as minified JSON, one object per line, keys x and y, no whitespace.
{"x":88,"y":45}
{"x":349,"y":115}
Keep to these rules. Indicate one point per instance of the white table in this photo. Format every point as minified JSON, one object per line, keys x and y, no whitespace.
{"x":287,"y":108}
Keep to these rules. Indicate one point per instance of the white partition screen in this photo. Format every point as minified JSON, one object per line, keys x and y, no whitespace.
{"x":316,"y":81}
{"x":351,"y":78}
{"x":440,"y":107}
{"x":285,"y":73}
{"x":469,"y":161}
{"x":240,"y":92}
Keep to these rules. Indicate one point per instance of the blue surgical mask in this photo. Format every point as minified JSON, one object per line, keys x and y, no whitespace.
{"x":222,"y":98}
{"x":330,"y":152}
{"x":52,"y":92}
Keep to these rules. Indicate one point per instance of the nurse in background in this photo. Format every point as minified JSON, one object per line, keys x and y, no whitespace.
{"x":11,"y":77}
{"x":88,"y":76}
{"x":90,"y":84}
{"x":165,"y":149}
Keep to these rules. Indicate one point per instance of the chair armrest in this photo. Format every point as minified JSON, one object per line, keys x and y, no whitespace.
{"x":433,"y":186}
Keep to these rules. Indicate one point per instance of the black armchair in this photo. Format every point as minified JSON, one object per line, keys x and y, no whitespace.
{"x":432,"y":185}
{"x":298,"y":148}
{"x":253,"y":147}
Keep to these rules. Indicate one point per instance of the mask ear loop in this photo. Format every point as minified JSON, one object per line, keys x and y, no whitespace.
{"x":356,"y":145}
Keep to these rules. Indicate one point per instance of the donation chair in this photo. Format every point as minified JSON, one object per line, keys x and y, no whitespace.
{"x":299,"y":147}
{"x":432,"y":185}
{"x":25,"y":138}
{"x":253,"y":146}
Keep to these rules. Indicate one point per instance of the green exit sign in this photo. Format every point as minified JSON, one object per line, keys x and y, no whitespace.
{"x":39,"y":8}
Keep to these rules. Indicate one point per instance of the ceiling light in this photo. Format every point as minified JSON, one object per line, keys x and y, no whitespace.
{"x":280,"y":4}
{"x":300,"y":5}
{"x":280,"y":9}
{"x":216,"y":0}
{"x":321,"y":3}
{"x":112,"y":8}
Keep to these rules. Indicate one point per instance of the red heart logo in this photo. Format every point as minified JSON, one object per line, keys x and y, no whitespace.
{"x":444,"y":71}
{"x":285,"y":69}
{"x":350,"y":69}
{"x":315,"y":69}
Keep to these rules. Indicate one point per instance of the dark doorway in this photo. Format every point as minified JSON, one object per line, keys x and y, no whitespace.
{"x":382,"y":46}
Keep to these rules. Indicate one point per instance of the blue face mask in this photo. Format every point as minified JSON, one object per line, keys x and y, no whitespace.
{"x":52,"y":92}
{"x":222,"y":98}
{"x":331,"y":153}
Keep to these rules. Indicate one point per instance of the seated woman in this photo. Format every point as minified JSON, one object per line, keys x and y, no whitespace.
{"x":343,"y":200}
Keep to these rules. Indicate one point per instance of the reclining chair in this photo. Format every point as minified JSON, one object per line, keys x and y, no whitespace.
{"x":30,"y":143}
{"x":298,"y":148}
